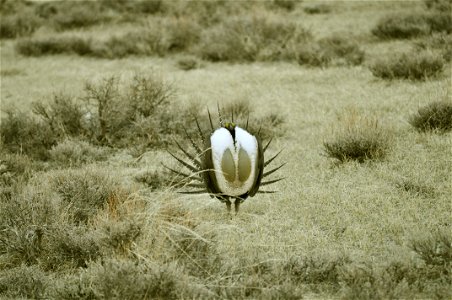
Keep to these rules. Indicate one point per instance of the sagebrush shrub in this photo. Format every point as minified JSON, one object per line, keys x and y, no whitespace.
{"x":342,"y":49}
{"x":359,"y":139}
{"x":440,"y":5}
{"x":22,"y":133}
{"x":333,"y":50}
{"x":434,"y":116}
{"x":77,"y":16}
{"x":135,"y":113}
{"x":23,"y":282}
{"x":19,"y":25}
{"x":401,"y":26}
{"x":317,"y":9}
{"x":415,"y":66}
{"x":126,"y":279}
{"x":63,"y":115}
{"x":188,"y":63}
{"x":441,"y":42}
{"x":85,"y":191}
{"x":73,"y":153}
{"x":54,"y":45}
{"x":251,"y":38}
{"x":412,"y":25}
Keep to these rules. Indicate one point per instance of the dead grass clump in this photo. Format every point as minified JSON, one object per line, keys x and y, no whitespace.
{"x":434,"y":116}
{"x":414,"y":66}
{"x":360,"y":139}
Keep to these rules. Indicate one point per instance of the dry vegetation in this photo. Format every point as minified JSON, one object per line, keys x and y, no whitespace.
{"x":92,"y":94}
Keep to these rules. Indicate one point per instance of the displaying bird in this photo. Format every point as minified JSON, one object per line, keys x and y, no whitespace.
{"x":229,"y":165}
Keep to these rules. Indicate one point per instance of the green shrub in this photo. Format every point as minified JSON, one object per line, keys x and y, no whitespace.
{"x":360,"y":139}
{"x":434,"y":116}
{"x":251,"y":38}
{"x":54,"y":45}
{"x":415,"y":66}
{"x":18,"y":25}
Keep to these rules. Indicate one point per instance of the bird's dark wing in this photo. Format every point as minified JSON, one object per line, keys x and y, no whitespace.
{"x":259,"y":171}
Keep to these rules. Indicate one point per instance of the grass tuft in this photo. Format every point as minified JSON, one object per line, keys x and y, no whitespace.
{"x":360,"y":139}
{"x":434,"y":116}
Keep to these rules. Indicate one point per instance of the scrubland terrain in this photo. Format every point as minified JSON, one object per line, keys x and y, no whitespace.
{"x":356,"y":93}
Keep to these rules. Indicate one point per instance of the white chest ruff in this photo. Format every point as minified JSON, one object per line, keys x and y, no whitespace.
{"x":234,"y":161}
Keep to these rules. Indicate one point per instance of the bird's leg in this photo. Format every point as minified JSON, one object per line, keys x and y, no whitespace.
{"x":228,"y":206}
{"x":237,"y":205}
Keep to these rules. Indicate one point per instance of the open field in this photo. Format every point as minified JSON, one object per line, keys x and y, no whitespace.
{"x":88,"y":211}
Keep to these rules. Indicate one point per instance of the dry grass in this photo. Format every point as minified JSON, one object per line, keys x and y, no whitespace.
{"x":86,"y":228}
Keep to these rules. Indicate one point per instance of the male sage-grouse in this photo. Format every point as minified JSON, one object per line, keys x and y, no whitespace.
{"x":230,"y":164}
